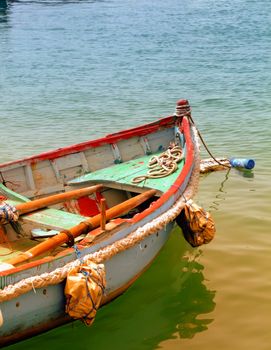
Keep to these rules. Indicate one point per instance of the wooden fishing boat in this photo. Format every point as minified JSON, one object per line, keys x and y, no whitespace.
{"x":94,"y":200}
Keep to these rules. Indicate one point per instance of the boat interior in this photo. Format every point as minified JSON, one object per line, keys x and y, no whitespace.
{"x":112,"y":165}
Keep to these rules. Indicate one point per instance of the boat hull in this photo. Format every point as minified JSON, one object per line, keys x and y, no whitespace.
{"x":43,"y":309}
{"x":135,"y":239}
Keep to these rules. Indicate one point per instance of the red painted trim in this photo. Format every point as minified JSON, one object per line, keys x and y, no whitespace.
{"x":189,"y":162}
{"x":109,"y":139}
{"x":26,"y":266}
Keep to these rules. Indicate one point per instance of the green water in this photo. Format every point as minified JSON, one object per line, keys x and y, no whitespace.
{"x":75,"y":70}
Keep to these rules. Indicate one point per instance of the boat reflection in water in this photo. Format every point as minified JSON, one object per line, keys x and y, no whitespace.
{"x":169,"y":301}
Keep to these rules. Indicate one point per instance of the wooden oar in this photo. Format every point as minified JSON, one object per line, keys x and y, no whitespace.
{"x":36,"y":204}
{"x":83,"y":227}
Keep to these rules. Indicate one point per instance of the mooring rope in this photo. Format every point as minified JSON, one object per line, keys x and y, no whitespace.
{"x":58,"y":275}
{"x":163,"y":165}
{"x":205,"y":145}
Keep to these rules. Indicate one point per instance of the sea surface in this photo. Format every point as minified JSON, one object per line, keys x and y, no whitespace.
{"x":75,"y":70}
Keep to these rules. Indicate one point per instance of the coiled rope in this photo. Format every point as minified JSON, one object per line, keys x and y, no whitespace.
{"x":163,"y":165}
{"x":58,"y":275}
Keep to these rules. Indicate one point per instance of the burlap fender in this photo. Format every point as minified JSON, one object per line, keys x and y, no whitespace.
{"x":197,"y":224}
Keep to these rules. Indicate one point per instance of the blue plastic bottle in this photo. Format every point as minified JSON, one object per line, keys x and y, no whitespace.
{"x":242,"y":163}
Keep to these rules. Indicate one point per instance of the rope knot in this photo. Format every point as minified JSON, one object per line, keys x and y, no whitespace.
{"x":162,"y":165}
{"x":182,"y":108}
{"x":8,"y":213}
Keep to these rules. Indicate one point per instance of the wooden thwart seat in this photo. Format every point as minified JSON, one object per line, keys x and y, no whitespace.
{"x":51,"y":218}
{"x":121,"y":175}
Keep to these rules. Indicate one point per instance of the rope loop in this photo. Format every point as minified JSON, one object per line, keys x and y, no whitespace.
{"x":163,"y":165}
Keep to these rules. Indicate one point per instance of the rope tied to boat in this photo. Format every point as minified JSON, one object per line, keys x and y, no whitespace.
{"x":101,"y":256}
{"x":8,"y":213}
{"x":163,"y":165}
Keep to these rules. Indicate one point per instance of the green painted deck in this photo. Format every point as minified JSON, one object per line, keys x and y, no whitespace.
{"x":124,"y":173}
{"x":18,"y":198}
{"x":54,"y":218}
{"x":45,"y":218}
{"x":50,"y":217}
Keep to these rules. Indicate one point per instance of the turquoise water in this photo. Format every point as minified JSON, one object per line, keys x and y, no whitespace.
{"x":75,"y":70}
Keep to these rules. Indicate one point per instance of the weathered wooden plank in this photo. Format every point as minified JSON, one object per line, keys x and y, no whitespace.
{"x":44,"y":191}
{"x":145,"y":145}
{"x":15,"y":179}
{"x":12,"y":195}
{"x":116,"y":153}
{"x":130,"y":149}
{"x":44,"y":176}
{"x":125,"y":172}
{"x":52,"y":219}
{"x":160,"y":140}
{"x":29,"y":177}
{"x":99,"y":157}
